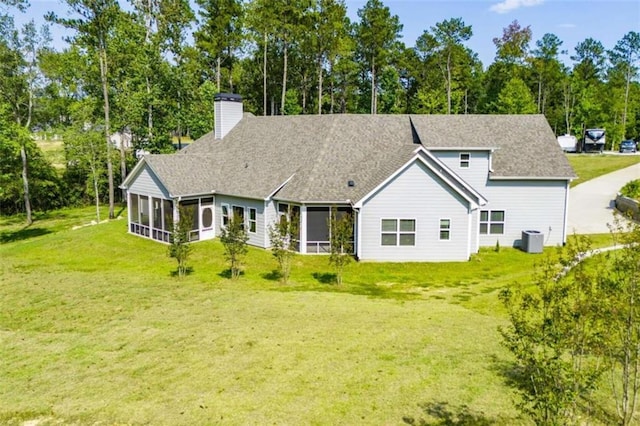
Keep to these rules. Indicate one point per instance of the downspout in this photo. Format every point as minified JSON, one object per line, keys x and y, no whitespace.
{"x":469,"y":227}
{"x":356,"y":237}
{"x":566,"y":213}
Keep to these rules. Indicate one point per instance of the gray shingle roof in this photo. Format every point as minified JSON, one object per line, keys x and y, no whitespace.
{"x":526,"y":145}
{"x":320,"y":154}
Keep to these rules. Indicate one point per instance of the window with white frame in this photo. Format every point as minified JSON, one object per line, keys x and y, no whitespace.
{"x":225,"y":215}
{"x":465,"y":160}
{"x":445,"y":229}
{"x":398,"y":232}
{"x":492,"y":222}
{"x":253,"y":220}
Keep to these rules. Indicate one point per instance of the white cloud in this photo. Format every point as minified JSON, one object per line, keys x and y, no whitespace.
{"x":509,"y":5}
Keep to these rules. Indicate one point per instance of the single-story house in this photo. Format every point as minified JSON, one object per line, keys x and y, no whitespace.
{"x":420,"y":187}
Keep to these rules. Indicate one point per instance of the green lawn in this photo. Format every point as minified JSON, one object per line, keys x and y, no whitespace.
{"x":589,"y":166}
{"x":95,"y":329}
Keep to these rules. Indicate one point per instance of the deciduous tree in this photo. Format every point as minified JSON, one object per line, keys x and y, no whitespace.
{"x":234,"y":238}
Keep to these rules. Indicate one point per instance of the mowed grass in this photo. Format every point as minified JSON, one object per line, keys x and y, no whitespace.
{"x":589,"y":166}
{"x":95,"y":329}
{"x":53,"y":151}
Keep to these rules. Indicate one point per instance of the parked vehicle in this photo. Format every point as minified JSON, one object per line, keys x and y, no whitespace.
{"x":628,"y":146}
{"x":568,"y":143}
{"x":593,"y":140}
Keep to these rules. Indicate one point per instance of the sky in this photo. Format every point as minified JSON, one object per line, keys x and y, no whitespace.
{"x":571,"y":20}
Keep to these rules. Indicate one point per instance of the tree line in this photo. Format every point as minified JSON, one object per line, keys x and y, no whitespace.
{"x":151,"y":70}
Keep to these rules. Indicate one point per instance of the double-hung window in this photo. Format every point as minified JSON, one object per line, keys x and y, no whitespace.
{"x":465,"y":160}
{"x":398,"y":232}
{"x":226,"y":215}
{"x":445,"y":229}
{"x":253,"y":220}
{"x":492,"y":222}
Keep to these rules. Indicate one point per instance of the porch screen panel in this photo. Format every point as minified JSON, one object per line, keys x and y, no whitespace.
{"x":144,"y":210}
{"x":167,"y":206}
{"x":135,"y":211}
{"x":317,"y":224}
{"x":157,"y":213}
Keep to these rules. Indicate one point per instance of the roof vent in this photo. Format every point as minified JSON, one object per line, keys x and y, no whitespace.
{"x":351,"y":183}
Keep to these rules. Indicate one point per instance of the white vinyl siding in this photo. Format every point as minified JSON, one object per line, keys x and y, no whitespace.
{"x":258,"y":238}
{"x":527,"y":205}
{"x":417,"y":194}
{"x":147,"y":184}
{"x":477,"y":172}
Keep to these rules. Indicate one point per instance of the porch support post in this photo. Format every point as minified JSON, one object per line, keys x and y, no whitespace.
{"x":303,"y":229}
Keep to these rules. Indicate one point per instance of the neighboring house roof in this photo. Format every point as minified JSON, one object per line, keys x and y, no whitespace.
{"x":317,"y":155}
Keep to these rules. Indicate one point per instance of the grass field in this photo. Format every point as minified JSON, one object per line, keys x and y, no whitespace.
{"x":95,"y":329}
{"x":589,"y":166}
{"x":53,"y":151}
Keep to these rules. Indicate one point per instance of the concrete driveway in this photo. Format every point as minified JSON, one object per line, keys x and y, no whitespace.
{"x":591,"y":204}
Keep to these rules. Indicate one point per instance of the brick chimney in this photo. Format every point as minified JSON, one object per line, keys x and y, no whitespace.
{"x":228,"y":112}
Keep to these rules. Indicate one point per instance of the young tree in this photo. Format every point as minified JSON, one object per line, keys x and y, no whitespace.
{"x":284,"y":240}
{"x":554,"y":332}
{"x":84,"y":148}
{"x":621,"y":301}
{"x":341,"y":236}
{"x":180,"y":248}
{"x":234,"y":238}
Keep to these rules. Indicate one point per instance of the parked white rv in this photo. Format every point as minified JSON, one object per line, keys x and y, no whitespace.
{"x":568,"y":143}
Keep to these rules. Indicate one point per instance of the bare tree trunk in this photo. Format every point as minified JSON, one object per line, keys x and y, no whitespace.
{"x":218,"y":73}
{"x":230,"y":69}
{"x":264,"y":77}
{"x":149,"y":111}
{"x":320,"y":86}
{"x":449,"y":83}
{"x":107,"y":132}
{"x":25,"y":184}
{"x":626,"y":105}
{"x":374,"y":93}
{"x":94,"y":175}
{"x":284,"y":78}
{"x":123,"y":164}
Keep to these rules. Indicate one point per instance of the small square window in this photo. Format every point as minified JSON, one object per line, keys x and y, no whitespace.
{"x":389,"y":239}
{"x":407,"y":225}
{"x":389,"y":225}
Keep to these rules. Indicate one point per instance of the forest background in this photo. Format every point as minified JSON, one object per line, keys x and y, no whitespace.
{"x":148,"y":70}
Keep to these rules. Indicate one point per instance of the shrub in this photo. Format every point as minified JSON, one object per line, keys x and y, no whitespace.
{"x":631,"y":189}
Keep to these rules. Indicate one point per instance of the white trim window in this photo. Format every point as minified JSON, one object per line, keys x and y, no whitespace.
{"x":253,"y":220}
{"x":398,"y":232}
{"x":465,"y":160}
{"x":225,"y":214}
{"x":492,"y":222}
{"x":445,"y":229}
